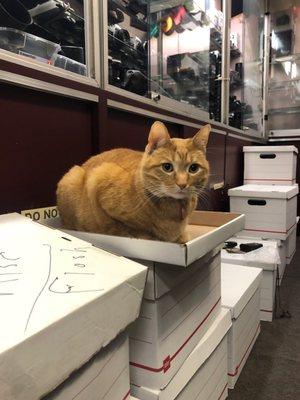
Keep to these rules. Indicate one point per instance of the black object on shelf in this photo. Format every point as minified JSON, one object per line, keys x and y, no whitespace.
{"x":284,"y":43}
{"x":13,"y":14}
{"x":74,"y":52}
{"x":62,"y":22}
{"x":135,"y":82}
{"x":247,"y":247}
{"x":229,"y":244}
{"x":115,"y":16}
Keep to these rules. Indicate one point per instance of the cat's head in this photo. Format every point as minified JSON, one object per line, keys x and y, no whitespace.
{"x":175,"y":168}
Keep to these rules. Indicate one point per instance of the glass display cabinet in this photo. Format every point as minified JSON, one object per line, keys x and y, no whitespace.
{"x":284,"y":78}
{"x":51,"y":32}
{"x":168,"y":51}
{"x":246,"y":66}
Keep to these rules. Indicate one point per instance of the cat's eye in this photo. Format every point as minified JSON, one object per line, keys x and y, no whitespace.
{"x":193,"y":168}
{"x":167,"y":167}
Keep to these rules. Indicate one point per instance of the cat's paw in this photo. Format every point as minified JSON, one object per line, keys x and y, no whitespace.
{"x":183,"y":238}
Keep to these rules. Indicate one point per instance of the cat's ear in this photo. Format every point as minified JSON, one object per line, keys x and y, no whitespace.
{"x":201,"y":138}
{"x":158,"y":136}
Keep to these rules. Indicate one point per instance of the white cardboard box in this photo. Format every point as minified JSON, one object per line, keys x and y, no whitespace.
{"x":270,"y":211}
{"x":171,"y":326}
{"x":203,"y":375}
{"x":207,"y":230}
{"x":104,"y":376}
{"x":267,"y":258}
{"x":290,"y":244}
{"x":241,"y":295}
{"x":57,"y":298}
{"x":270,"y":165}
{"x":162,"y":278}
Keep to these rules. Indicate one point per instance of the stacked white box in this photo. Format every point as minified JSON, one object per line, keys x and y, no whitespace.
{"x":203,"y":375}
{"x":241,"y":295}
{"x":270,"y":210}
{"x":173,"y":319}
{"x":267,"y":258}
{"x":182,"y":297}
{"x":270,"y":165}
{"x":105,"y":376}
{"x":290,"y":244}
{"x":57,"y":296}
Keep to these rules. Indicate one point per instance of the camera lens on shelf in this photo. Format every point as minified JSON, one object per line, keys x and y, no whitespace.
{"x":115,"y":16}
{"x":135,"y":82}
{"x":117,"y":37}
{"x":115,"y":71}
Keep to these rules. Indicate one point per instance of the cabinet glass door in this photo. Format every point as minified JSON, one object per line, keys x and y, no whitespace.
{"x":186,"y":52}
{"x":284,"y":81}
{"x":246,"y":66}
{"x":128,"y":33}
{"x":50,"y":32}
{"x":169,"y":51}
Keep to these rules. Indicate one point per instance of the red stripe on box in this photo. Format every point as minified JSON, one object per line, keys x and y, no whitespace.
{"x":264,"y":230}
{"x":168,"y":359}
{"x":223,"y":391}
{"x":270,"y":311}
{"x":256,"y":179}
{"x":126,"y":395}
{"x":238,"y":366}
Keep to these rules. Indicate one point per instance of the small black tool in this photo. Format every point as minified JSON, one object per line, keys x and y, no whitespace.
{"x":230,"y":245}
{"x":246,"y":247}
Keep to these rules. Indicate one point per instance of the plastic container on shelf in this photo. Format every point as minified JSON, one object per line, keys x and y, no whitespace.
{"x":28,"y":45}
{"x":70,"y":65}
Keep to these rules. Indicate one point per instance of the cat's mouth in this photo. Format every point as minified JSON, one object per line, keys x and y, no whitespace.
{"x":179,"y":194}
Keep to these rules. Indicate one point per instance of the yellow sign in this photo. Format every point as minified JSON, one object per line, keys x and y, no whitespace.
{"x":39,"y":214}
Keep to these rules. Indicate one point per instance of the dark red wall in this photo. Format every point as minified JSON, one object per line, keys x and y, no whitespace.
{"x":42,"y":136}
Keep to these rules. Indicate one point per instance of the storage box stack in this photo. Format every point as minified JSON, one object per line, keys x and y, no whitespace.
{"x":269,"y":195}
{"x":241,"y":295}
{"x":271,"y":258}
{"x":64,"y":305}
{"x":178,"y":346}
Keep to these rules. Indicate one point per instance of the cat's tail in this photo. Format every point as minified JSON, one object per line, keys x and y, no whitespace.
{"x":69,"y":193}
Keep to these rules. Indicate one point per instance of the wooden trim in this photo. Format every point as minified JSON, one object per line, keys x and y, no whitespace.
{"x":45,"y":77}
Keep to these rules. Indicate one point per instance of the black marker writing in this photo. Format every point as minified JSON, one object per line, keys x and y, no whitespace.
{"x":43,"y":288}
{"x":9,"y":280}
{"x":6,"y":258}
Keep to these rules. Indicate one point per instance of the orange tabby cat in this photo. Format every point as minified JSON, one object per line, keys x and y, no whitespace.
{"x":129,"y":193}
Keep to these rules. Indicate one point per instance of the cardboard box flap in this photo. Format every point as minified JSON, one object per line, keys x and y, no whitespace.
{"x":238,"y":285}
{"x":213,"y":229}
{"x":56,"y":299}
{"x":199,"y":355}
{"x":265,"y":191}
{"x":207,"y":230}
{"x":270,"y":149}
{"x":266,"y":257}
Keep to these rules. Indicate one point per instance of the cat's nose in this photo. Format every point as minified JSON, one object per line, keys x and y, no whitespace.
{"x":182,"y":185}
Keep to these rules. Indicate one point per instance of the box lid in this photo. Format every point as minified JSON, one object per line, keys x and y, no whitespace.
{"x":199,"y":355}
{"x":266,"y":257}
{"x":207,"y":229}
{"x":238,"y":285}
{"x":265,"y":191}
{"x":268,"y":149}
{"x":57,"y":298}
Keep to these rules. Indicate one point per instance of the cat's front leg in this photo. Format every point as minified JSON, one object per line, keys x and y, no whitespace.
{"x":183,"y":238}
